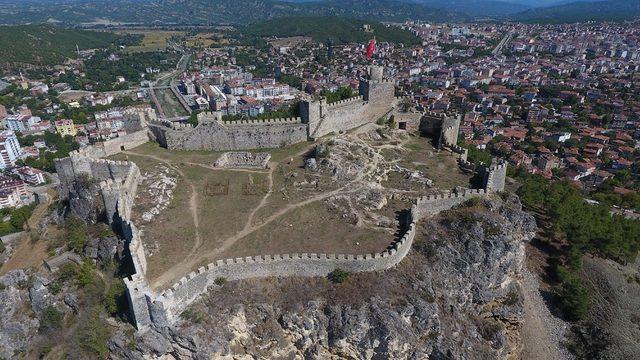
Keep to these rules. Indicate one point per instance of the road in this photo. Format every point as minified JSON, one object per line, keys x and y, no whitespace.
{"x":505,"y":40}
{"x":164,"y":82}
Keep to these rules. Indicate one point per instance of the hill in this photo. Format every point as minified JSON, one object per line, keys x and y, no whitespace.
{"x":210,"y":11}
{"x":475,"y":8}
{"x":611,"y":10}
{"x":46,"y":44}
{"x":339,"y":30}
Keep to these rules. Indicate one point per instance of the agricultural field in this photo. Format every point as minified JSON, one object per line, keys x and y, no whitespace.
{"x":208,"y":39}
{"x":152,"y":40}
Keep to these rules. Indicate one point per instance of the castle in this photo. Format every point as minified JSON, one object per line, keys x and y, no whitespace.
{"x":115,"y":184}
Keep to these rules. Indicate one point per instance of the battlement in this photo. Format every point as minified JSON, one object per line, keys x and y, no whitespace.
{"x":383,"y":81}
{"x":433,"y":204}
{"x":277,"y":121}
{"x":438,"y":114}
{"x":348,"y":101}
{"x":499,"y":166}
{"x":190,"y":287}
{"x":181,"y":126}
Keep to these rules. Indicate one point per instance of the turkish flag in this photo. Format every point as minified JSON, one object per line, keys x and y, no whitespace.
{"x":371,"y":48}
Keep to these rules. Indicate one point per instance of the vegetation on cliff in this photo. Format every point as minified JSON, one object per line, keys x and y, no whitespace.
{"x":579,"y":228}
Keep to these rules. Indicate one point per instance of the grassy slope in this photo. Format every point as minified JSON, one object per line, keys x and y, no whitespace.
{"x":45,"y":44}
{"x":340,"y":30}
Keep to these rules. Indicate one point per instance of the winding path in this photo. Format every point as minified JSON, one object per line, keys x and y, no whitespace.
{"x":194,"y":257}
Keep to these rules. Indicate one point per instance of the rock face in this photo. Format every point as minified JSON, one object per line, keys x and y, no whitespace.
{"x":16,"y":327}
{"x":85,"y":201}
{"x":455,"y":296}
{"x":103,"y":249}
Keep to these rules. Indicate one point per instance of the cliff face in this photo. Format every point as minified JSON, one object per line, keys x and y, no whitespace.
{"x":455,"y":296}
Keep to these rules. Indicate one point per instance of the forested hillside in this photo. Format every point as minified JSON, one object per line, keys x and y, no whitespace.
{"x":46,"y":44}
{"x":211,"y":11}
{"x":339,"y":30}
{"x":580,"y":11}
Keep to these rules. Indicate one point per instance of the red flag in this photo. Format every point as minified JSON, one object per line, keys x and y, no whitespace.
{"x":371,"y":48}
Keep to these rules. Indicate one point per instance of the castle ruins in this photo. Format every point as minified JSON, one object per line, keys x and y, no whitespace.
{"x":117,"y":181}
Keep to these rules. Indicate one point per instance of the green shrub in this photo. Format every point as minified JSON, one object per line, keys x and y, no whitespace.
{"x":425,"y":248}
{"x":115,"y":300}
{"x":575,"y":298}
{"x":193,"y":316}
{"x":220,"y":281}
{"x":86,"y":274}
{"x":338,"y":276}
{"x":46,"y":349}
{"x":473,"y":202}
{"x":55,"y":287}
{"x":76,"y":234}
{"x":488,"y":328}
{"x":51,"y":318}
{"x":511,"y":298}
{"x":67,"y":271}
{"x":93,"y":335}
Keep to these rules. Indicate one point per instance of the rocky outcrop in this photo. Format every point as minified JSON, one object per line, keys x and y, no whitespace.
{"x":456,"y":295}
{"x":17,"y":328}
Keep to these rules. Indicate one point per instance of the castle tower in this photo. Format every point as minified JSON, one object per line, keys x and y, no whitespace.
{"x":376,"y":73}
{"x":311,"y":112}
{"x":376,"y":89}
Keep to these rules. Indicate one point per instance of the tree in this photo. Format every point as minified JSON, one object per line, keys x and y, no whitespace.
{"x":338,"y":276}
{"x":575,"y":297}
{"x":76,"y":233}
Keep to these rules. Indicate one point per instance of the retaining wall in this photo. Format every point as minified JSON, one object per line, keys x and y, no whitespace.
{"x":243,"y":160}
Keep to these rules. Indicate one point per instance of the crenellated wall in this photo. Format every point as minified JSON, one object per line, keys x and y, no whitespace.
{"x":118,"y":184}
{"x":434,"y":204}
{"x":239,"y":135}
{"x":190,"y":287}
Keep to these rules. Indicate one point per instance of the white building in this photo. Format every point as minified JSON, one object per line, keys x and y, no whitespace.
{"x":9,"y":149}
{"x":31,"y":175}
{"x":22,"y":122}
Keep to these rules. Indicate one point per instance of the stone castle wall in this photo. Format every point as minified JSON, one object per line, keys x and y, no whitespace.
{"x":126,"y":142}
{"x":235,"y":135}
{"x":376,"y":99}
{"x":119,"y":184}
{"x":433,"y":204}
{"x":243,"y":160}
{"x":189,"y":288}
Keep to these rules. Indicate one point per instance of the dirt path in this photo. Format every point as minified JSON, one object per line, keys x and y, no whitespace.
{"x":542,"y":332}
{"x":194,"y":258}
{"x":193,"y":199}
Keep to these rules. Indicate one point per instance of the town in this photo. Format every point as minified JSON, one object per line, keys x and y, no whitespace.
{"x":198,"y":156}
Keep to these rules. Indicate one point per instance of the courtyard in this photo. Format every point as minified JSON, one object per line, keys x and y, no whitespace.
{"x":192,"y":213}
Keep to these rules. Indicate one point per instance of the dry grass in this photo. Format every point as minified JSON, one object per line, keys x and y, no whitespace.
{"x":221,"y":216}
{"x":312,"y":229}
{"x":439,"y":166}
{"x":28,"y":254}
{"x":171,"y":235}
{"x":153,"y":40}
{"x":206,"y":40}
